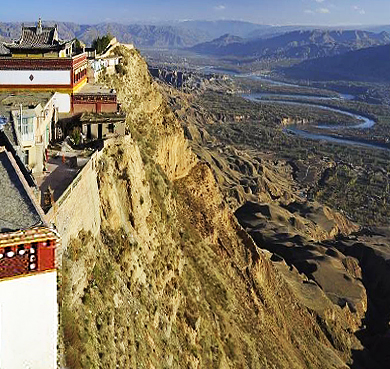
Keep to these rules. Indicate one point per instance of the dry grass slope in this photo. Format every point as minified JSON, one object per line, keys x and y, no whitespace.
{"x":173,"y":281}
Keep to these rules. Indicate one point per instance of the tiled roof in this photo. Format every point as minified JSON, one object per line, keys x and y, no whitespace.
{"x":37,"y":38}
{"x":30,"y":37}
{"x":18,"y":210}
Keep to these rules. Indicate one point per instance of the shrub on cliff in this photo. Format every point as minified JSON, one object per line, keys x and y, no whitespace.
{"x":101,"y":43}
{"x":120,"y":69}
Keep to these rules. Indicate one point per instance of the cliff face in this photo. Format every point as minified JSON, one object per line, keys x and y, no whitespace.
{"x":173,"y":280}
{"x":150,"y":121}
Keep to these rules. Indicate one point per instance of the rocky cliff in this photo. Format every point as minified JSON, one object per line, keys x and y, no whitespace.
{"x":173,"y":280}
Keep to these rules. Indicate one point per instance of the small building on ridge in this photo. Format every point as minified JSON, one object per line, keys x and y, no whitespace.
{"x":28,"y":122}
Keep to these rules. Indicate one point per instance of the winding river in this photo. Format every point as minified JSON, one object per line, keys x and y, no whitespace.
{"x":365,"y":122}
{"x":313,"y":101}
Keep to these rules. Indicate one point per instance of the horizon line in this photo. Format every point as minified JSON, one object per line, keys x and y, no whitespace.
{"x":154,"y":22}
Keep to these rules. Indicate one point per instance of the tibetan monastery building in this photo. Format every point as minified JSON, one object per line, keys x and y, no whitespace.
{"x":28,"y":277}
{"x":40,"y":61}
{"x":28,"y":125}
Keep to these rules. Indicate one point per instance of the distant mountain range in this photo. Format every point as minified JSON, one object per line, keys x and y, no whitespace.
{"x":297,"y":44}
{"x":184,"y":34}
{"x":163,"y":35}
{"x":369,"y":65}
{"x":140,"y":35}
{"x":215,"y":29}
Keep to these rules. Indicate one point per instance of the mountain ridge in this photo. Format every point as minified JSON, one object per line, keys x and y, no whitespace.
{"x":176,"y":34}
{"x":173,"y":34}
{"x":369,"y":65}
{"x":296,"y":44}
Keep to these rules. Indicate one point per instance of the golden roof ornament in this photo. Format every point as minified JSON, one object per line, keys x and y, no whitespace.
{"x":39,"y":26}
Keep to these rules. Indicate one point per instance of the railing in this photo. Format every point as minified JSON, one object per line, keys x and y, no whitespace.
{"x":81,"y":98}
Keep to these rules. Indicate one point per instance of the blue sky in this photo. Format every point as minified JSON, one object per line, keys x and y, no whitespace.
{"x":313,"y":12}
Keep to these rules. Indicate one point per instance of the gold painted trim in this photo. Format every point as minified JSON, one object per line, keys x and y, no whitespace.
{"x":79,"y":85}
{"x":26,"y":241}
{"x":38,"y":89}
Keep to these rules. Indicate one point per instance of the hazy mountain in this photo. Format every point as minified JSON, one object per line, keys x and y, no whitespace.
{"x":172,"y":35}
{"x":220,"y":45}
{"x":140,"y":35}
{"x":296,"y":44}
{"x":378,"y":29}
{"x":67,"y":30}
{"x":215,"y":29}
{"x":190,"y":33}
{"x":145,"y":35}
{"x":273,"y":31}
{"x":10,"y":30}
{"x":370,"y":64}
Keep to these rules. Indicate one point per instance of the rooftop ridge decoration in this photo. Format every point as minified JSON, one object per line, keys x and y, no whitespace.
{"x":38,"y":37}
{"x":35,"y":234}
{"x":39,"y":26}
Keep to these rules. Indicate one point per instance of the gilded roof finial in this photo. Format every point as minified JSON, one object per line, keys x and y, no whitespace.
{"x":39,"y":26}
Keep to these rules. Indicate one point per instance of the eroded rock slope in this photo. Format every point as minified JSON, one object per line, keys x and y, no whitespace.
{"x":173,"y":280}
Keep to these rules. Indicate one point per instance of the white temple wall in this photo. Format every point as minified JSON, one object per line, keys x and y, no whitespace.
{"x":35,"y":77}
{"x":28,"y":322}
{"x":62,"y":102}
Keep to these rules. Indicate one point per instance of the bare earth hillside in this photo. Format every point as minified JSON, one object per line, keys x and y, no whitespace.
{"x":174,"y":281}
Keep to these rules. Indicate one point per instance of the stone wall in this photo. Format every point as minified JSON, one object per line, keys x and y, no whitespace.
{"x":79,"y":206}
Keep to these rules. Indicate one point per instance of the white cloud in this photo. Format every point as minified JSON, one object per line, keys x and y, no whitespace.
{"x":323,"y":10}
{"x":220,"y":7}
{"x":359,"y":9}
{"x":308,"y":11}
{"x":319,"y":1}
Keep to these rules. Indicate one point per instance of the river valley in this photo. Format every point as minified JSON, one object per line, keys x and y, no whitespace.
{"x":319,"y":102}
{"x":329,"y":165}
{"x":339,"y":132}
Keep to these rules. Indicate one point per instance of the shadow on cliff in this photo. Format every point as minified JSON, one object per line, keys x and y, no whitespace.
{"x":375,"y":332}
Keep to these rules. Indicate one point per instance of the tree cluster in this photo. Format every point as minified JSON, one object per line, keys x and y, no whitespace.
{"x":101,"y":43}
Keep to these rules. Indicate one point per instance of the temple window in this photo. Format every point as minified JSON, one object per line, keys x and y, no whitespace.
{"x":33,"y":257}
{"x":26,"y":128}
{"x":9,"y":252}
